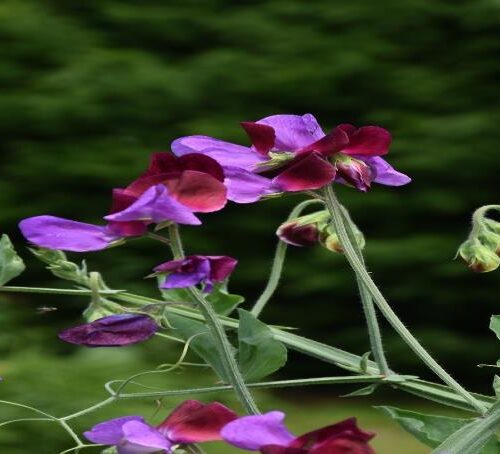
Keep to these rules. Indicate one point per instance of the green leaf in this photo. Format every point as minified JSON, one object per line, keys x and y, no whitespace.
{"x":496,"y":386}
{"x":366,"y":391}
{"x":201,"y":344}
{"x":259,"y":354}
{"x":432,"y":430}
{"x":363,"y":362}
{"x":222,"y":301}
{"x":176,"y":295}
{"x":495,"y":325}
{"x":429,"y":429}
{"x":11,"y":265}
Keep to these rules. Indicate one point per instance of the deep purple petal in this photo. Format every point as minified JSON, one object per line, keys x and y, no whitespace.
{"x":330,"y":144}
{"x":111,"y":331}
{"x":183,"y":280}
{"x":246,"y":187}
{"x":58,"y":233}
{"x":369,"y":141}
{"x":275,"y":449}
{"x":156,"y":205}
{"x":254,"y":432}
{"x":262,"y":136}
{"x":221,"y":266}
{"x":298,"y":235}
{"x":293,"y":131}
{"x":110,"y":432}
{"x":141,"y":438}
{"x":225,"y":153}
{"x":342,"y":445}
{"x":346,"y":429}
{"x":385,"y":173}
{"x":306,"y":173}
{"x":195,"y":422}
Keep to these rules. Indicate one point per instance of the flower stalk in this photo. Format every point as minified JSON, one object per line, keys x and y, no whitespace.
{"x":217,"y":332}
{"x":336,"y":211}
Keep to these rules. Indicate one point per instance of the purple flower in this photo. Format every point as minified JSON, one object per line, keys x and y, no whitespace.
{"x":190,"y":422}
{"x":268,"y":434}
{"x":111,"y":331}
{"x":196,"y":269}
{"x":294,"y":154}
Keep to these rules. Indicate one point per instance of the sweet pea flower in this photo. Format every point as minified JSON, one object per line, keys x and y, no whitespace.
{"x":294,"y":153}
{"x":111,"y":331}
{"x":171,"y":189}
{"x":190,"y":422}
{"x":267,"y":434}
{"x":196,"y":269}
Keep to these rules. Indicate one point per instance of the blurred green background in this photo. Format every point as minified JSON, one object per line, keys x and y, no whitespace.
{"x":90,"y":88}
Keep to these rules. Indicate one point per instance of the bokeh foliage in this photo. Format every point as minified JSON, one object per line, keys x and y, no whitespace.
{"x":90,"y":88}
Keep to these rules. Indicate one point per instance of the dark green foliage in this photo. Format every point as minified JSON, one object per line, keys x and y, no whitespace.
{"x":90,"y":88}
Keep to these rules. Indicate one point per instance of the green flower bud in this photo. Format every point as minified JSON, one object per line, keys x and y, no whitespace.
{"x":479,"y":257}
{"x":332,"y":242}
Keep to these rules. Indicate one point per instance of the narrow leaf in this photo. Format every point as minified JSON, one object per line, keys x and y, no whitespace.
{"x":259,"y":354}
{"x":11,"y":265}
{"x":366,"y":391}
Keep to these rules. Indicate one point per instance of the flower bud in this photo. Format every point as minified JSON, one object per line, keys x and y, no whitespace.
{"x":332,"y":241}
{"x":304,"y":230}
{"x":354,"y":171}
{"x":491,"y":240}
{"x":479,"y":257}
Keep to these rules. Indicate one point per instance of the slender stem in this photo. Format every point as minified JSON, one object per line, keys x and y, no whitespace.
{"x":217,"y":333}
{"x":345,"y":360}
{"x":157,"y":237}
{"x":278,"y":261}
{"x":365,"y":379}
{"x":374,"y":333}
{"x":336,"y":212}
{"x":56,"y":291}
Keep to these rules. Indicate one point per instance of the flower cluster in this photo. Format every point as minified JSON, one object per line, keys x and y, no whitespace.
{"x":287,"y":153}
{"x":195,"y":422}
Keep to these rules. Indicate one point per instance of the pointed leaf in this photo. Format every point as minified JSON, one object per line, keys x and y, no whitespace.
{"x":259,"y":354}
{"x":222,"y":301}
{"x":495,"y":325}
{"x":11,"y":265}
{"x":366,"y":391}
{"x":202,"y":344}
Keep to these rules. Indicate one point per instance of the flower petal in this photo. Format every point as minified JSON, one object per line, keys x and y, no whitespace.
{"x":121,"y":200}
{"x":157,"y":206}
{"x":262,"y":136}
{"x":202,"y":163}
{"x":341,"y":446}
{"x":58,"y":233}
{"x":275,"y":449}
{"x":343,"y":429}
{"x":369,"y":141}
{"x":110,"y":432}
{"x":221,"y":266}
{"x":328,"y":145}
{"x":255,"y":432}
{"x":298,"y":235}
{"x":199,"y":191}
{"x":293,"y":131}
{"x":246,"y":187}
{"x":141,"y":438}
{"x":306,"y":173}
{"x":385,"y":173}
{"x":225,"y":153}
{"x":195,"y":422}
{"x":111,"y":331}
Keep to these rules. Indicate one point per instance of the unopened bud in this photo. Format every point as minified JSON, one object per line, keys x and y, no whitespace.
{"x":479,"y":257}
{"x":304,"y":230}
{"x":332,"y":241}
{"x":354,"y":171}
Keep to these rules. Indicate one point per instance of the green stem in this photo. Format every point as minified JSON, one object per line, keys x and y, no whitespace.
{"x":56,"y":291}
{"x":88,"y":410}
{"x":217,"y":332}
{"x":265,"y":385}
{"x":278,"y":261}
{"x":474,"y":436}
{"x":336,"y":212}
{"x":374,"y":333}
{"x":345,"y":360}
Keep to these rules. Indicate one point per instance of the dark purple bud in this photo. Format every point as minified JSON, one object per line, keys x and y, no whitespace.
{"x":111,"y":331}
{"x":304,"y":230}
{"x":354,"y":171}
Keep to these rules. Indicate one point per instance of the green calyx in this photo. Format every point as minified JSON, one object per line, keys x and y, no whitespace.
{"x":276,"y":160}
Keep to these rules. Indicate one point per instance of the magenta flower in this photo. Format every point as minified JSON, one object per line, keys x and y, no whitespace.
{"x":190,"y":422}
{"x":294,"y":154}
{"x":196,"y":269}
{"x":111,"y":331}
{"x":267,"y":434}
